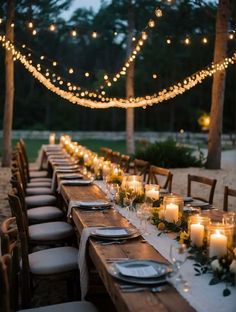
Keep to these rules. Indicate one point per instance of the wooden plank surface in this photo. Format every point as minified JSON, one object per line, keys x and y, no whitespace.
{"x":168,"y":300}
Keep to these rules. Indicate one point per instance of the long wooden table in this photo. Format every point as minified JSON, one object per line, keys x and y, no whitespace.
{"x":168,"y":300}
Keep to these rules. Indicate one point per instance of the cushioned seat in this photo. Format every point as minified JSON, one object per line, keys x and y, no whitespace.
{"x":53,"y":260}
{"x":39,"y":184}
{"x":50,"y":231}
{"x":40,"y":200}
{"x":76,"y":306}
{"x":38,"y":191}
{"x":44,"y":214}
{"x":40,"y":180}
{"x":38,"y":174}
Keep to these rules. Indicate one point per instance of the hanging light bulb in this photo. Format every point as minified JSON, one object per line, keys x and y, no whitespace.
{"x":94,"y":34}
{"x":1,"y":20}
{"x":71,"y":71}
{"x":151,"y":23}
{"x":30,"y":25}
{"x":12,"y":24}
{"x":105,"y":77}
{"x":154,"y":76}
{"x":52,"y":27}
{"x":231,"y":35}
{"x":204,"y":40}
{"x":158,"y":12}
{"x":73,"y":32}
{"x":144,"y":35}
{"x":34,"y":32}
{"x":42,"y":57}
{"x":168,"y":41}
{"x":187,"y":41}
{"x":133,"y":38}
{"x":87,"y":74}
{"x":54,"y":63}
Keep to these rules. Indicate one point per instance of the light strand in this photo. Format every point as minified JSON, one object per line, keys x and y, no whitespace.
{"x":149,"y":100}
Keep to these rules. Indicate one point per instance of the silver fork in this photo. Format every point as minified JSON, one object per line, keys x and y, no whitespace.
{"x":156,"y":289}
{"x":113,"y":242}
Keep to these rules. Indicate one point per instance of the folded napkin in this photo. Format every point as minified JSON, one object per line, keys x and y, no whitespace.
{"x":54,"y":176}
{"x":84,"y":276}
{"x":78,"y":203}
{"x":111,"y":232}
{"x":141,"y":271}
{"x":72,"y":204}
{"x":73,"y":183}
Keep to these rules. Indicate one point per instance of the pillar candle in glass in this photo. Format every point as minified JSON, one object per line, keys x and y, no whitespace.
{"x":197,"y":229}
{"x":152,"y":191}
{"x":52,"y":138}
{"x":173,"y":207}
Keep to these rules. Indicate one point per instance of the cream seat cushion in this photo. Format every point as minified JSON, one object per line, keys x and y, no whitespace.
{"x":39,"y":184}
{"x":53,"y":260}
{"x":38,"y":174}
{"x":50,"y":231}
{"x":76,"y":306}
{"x":38,"y":191}
{"x":40,"y":200}
{"x":44,"y":214}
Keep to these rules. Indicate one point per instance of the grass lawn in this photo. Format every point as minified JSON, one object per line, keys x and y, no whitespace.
{"x":33,"y":146}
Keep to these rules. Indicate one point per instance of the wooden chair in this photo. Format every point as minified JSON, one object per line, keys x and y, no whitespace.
{"x":211,"y":183}
{"x":105,"y":152}
{"x":125,"y":162}
{"x":116,"y":157}
{"x":59,"y":263}
{"x":228,"y":192}
{"x":47,"y":233}
{"x":141,"y":167}
{"x":161,"y":176}
{"x":6,"y":290}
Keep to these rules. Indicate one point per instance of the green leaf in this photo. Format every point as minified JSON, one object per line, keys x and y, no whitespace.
{"x":214,"y":281}
{"x":226,"y":292}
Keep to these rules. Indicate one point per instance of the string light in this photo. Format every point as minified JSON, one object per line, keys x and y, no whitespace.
{"x":1,"y":20}
{"x":151,"y":23}
{"x":158,"y":12}
{"x":73,"y":32}
{"x":187,"y":41}
{"x":94,"y":34}
{"x":12,"y":24}
{"x":204,"y":40}
{"x":87,"y":74}
{"x":168,"y":41}
{"x":53,"y":63}
{"x":154,"y":76}
{"x":231,"y":35}
{"x":30,"y":25}
{"x":71,"y":71}
{"x":34,"y":32}
{"x":52,"y":27}
{"x":42,"y":57}
{"x":148,"y":100}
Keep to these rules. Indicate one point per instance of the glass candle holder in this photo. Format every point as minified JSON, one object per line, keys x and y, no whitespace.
{"x":152,"y":192}
{"x":197,"y":226}
{"x":52,"y":138}
{"x":173,"y":207}
{"x":219,"y":239}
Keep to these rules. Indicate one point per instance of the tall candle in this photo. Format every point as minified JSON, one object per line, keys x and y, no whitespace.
{"x":197,"y":234}
{"x":218,"y":244}
{"x":52,"y":137}
{"x":172,"y":212}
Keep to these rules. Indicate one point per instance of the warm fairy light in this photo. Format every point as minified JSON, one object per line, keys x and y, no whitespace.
{"x":12,"y":24}
{"x":158,"y":12}
{"x":105,"y":77}
{"x":52,"y":27}
{"x":144,"y":35}
{"x":133,"y":38}
{"x":34,"y":32}
{"x":86,"y":74}
{"x":54,"y":63}
{"x":23,"y":46}
{"x":231,"y":35}
{"x":151,"y":23}
{"x":115,"y":33}
{"x":71,"y":71}
{"x":168,"y":41}
{"x":1,"y":20}
{"x":154,"y":76}
{"x":42,"y":57}
{"x":94,"y":34}
{"x":30,"y":25}
{"x":148,"y":100}
{"x":204,"y":40}
{"x":73,"y":32}
{"x":187,"y":41}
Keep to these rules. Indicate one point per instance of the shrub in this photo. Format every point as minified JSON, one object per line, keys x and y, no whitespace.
{"x":169,"y":154}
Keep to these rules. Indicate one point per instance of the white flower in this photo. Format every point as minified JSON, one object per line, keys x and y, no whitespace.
{"x":232,"y":267}
{"x":215,"y":265}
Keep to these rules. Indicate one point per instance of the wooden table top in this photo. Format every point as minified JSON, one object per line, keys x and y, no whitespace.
{"x":168,"y":300}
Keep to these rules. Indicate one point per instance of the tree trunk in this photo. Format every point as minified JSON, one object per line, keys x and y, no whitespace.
{"x":130,"y":85}
{"x":9,"y":85}
{"x":218,"y":88}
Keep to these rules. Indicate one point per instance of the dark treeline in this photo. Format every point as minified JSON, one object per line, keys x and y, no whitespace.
{"x":37,"y":108}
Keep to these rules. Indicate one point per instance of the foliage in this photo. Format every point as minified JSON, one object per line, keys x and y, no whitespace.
{"x":169,"y":154}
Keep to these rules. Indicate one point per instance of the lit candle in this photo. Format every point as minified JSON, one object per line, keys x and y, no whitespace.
{"x":218,"y":244}
{"x":197,"y":234}
{"x":52,"y":138}
{"x":172,"y":212}
{"x":153,"y":194}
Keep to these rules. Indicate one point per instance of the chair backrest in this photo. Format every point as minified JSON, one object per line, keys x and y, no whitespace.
{"x":5,"y":262}
{"x":10,"y":246}
{"x":105,"y":152}
{"x":124,"y":163}
{"x":161,"y":176}
{"x":116,"y":157}
{"x":228,"y":192}
{"x":141,"y":167}
{"x":23,"y":236}
{"x":205,"y":181}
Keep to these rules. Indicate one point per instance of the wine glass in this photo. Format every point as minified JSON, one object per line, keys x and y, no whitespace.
{"x":127,"y":204}
{"x":144,"y":212}
{"x":178,"y":255}
{"x":112,"y":189}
